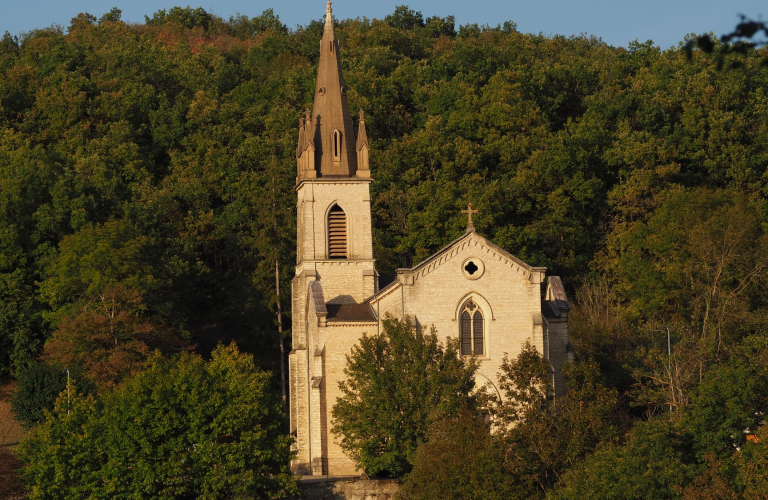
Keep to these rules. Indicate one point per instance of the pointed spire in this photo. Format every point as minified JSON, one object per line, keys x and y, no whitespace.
{"x":328,"y":133}
{"x":328,"y":20}
{"x":333,"y":132}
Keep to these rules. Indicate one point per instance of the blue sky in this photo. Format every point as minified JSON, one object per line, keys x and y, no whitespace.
{"x":665,"y":22}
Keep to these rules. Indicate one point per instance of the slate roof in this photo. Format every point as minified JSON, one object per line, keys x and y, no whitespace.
{"x":316,"y":291}
{"x":345,"y":313}
{"x":549,"y":310}
{"x":558,"y":293}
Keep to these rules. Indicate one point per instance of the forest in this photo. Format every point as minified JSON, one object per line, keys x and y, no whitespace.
{"x":147,"y":177}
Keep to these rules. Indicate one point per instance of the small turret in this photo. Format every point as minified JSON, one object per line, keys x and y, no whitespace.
{"x":363,"y":170}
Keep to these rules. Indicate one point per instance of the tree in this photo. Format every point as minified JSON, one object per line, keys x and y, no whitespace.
{"x":753,"y":465}
{"x":98,"y":287}
{"x":461,"y":460}
{"x":181,"y":429}
{"x":652,"y":465}
{"x":732,"y":398}
{"x":697,"y":263}
{"x":397,"y":384}
{"x":543,"y":438}
{"x":38,"y":387}
{"x":739,"y":41}
{"x":109,"y":338}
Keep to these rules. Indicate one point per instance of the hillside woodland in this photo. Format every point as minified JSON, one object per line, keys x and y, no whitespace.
{"x":146,"y":202}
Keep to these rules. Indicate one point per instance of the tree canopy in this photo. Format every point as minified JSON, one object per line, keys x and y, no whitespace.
{"x":180,"y":429}
{"x":146,"y":193}
{"x":398,"y":383}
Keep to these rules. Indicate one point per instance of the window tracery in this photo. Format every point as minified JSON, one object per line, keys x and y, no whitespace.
{"x":472,"y":334}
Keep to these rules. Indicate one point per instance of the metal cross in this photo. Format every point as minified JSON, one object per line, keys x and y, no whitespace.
{"x":469,"y":212}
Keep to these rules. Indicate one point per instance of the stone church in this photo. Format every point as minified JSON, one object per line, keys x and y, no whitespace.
{"x":471,"y":289}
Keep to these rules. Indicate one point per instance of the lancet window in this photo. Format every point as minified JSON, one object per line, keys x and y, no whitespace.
{"x":472,"y":339}
{"x":336,"y":145}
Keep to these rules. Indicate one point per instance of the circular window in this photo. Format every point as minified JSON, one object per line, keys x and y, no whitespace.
{"x":472,"y":268}
{"x":321,"y":91}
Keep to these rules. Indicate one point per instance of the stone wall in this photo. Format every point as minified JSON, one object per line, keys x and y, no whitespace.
{"x":349,"y":489}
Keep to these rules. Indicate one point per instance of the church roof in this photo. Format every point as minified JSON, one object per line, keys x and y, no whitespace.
{"x":469,"y":234}
{"x":350,"y":313}
{"x":556,"y":294}
{"x":442,"y":255}
{"x":316,"y":294}
{"x":555,"y":302}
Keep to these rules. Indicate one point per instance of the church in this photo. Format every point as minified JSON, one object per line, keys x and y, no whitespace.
{"x":471,"y":289}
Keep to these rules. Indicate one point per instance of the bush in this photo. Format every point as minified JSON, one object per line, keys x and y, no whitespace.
{"x":183,"y":429}
{"x":460,"y":460}
{"x":38,"y":387}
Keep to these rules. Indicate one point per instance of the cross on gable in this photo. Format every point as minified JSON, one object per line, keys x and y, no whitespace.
{"x":469,"y":212}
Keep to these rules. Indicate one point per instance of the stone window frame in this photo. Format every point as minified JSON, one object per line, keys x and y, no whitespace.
{"x":348,"y":228}
{"x":482,"y":306}
{"x":336,"y":144}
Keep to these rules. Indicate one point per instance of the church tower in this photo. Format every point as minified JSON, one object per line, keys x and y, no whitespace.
{"x":334,"y":249}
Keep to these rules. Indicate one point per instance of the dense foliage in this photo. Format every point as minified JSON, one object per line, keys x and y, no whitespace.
{"x":460,"y":459}
{"x":146,"y":175}
{"x":181,"y":429}
{"x":398,"y":383}
{"x":39,"y":384}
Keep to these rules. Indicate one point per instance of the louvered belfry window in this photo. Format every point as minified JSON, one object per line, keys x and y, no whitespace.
{"x":471,"y":330}
{"x":337,"y":233}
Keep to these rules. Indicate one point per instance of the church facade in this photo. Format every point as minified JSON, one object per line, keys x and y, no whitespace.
{"x":471,"y":289}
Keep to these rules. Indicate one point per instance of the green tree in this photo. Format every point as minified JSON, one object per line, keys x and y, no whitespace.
{"x":460,"y":460}
{"x":98,"y":287}
{"x":38,"y":387}
{"x":397,"y":383}
{"x":696,"y":264}
{"x":545,"y":437}
{"x":181,"y":429}
{"x":753,"y":465}
{"x":652,"y":464}
{"x":732,"y":398}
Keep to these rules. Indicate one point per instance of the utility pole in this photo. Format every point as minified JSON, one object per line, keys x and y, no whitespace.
{"x":669,"y":368}
{"x":669,"y":365}
{"x":69,"y":403}
{"x":280,"y":328}
{"x":275,"y":228}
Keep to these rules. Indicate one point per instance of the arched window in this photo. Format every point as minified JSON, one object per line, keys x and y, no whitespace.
{"x":336,"y":145}
{"x":337,"y":233}
{"x":471,"y":330}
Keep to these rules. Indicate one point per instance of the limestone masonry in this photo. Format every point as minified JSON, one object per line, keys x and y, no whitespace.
{"x":471,"y":289}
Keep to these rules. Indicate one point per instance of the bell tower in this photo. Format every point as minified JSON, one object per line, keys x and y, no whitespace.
{"x":334,"y":246}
